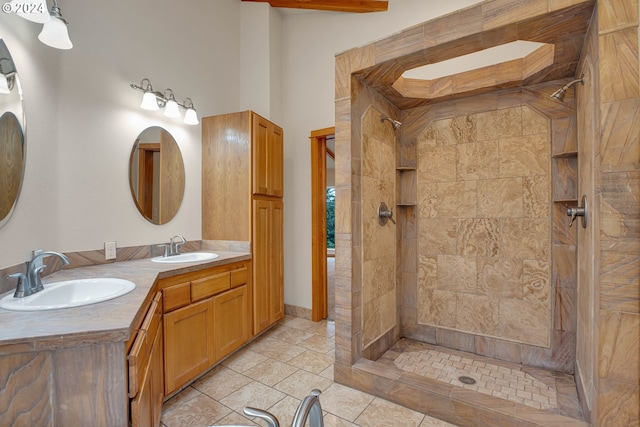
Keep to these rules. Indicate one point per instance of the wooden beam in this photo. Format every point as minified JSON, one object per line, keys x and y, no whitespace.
{"x":357,"y":6}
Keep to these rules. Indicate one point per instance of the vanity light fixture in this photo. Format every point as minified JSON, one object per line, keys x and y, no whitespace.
{"x":54,"y":32}
{"x":171,"y":109}
{"x":154,"y":100}
{"x":34,"y":11}
{"x":7,"y":75}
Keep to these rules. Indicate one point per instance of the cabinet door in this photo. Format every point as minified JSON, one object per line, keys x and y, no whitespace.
{"x":276,"y":263}
{"x":260,"y":251}
{"x":231,"y":320}
{"x":275,"y":160}
{"x":260,"y":151}
{"x":188,"y":343}
{"x":156,"y":365}
{"x":141,"y":405}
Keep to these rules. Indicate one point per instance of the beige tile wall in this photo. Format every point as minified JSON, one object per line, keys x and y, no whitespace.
{"x":378,"y":242}
{"x":484,"y":241}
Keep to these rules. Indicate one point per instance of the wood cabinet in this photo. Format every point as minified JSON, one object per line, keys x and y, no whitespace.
{"x":207,"y":316}
{"x":146,"y":371}
{"x":242,"y":189}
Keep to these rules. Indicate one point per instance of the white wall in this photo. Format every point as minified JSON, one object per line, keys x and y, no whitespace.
{"x":310,"y":42}
{"x":82,"y":117}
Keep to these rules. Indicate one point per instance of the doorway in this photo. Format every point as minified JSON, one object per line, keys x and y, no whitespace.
{"x":323,"y":262}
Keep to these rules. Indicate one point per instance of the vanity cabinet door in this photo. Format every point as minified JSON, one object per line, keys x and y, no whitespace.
{"x":267,"y":146}
{"x":146,"y":407}
{"x":232,"y":320}
{"x":188,"y":346}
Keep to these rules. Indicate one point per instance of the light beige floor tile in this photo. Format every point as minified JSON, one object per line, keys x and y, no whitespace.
{"x":235,"y":419}
{"x":311,"y":361}
{"x":254,"y":394}
{"x":434,"y":422}
{"x":298,"y":323}
{"x":180,"y":398}
{"x":276,"y":349}
{"x":284,"y":410}
{"x":381,"y":413}
{"x":197,"y":412}
{"x":344,"y":402}
{"x":324,"y":328}
{"x":221,"y":382}
{"x":327,"y":373}
{"x":319,"y":343}
{"x":290,"y":335}
{"x":301,"y":383}
{"x":331,"y":420}
{"x":244,"y":360}
{"x":270,"y":372}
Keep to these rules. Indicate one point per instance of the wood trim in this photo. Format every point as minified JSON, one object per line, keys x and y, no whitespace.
{"x":357,"y":6}
{"x":319,"y":304}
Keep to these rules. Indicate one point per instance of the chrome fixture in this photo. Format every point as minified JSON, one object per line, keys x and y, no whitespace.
{"x":7,"y":74}
{"x":54,"y":31}
{"x":560,"y":93}
{"x":153,"y":100}
{"x":309,"y":407}
{"x":173,"y":248}
{"x":384,"y":214}
{"x":396,"y":124}
{"x":263,"y":415}
{"x":579,"y":211}
{"x":30,"y":283}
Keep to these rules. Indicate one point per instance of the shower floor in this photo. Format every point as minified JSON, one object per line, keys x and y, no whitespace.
{"x":537,"y":388}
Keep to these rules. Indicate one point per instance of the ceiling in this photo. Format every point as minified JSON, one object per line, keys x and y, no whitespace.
{"x":353,"y":6}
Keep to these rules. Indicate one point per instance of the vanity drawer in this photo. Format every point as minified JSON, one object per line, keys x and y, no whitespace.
{"x":239,"y":277}
{"x":139,"y":353}
{"x":210,"y":285}
{"x":176,"y":296}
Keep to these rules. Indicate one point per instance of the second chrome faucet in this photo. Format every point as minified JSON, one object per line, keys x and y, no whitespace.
{"x":173,"y":248}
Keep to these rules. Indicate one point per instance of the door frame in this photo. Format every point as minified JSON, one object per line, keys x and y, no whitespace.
{"x":319,"y":304}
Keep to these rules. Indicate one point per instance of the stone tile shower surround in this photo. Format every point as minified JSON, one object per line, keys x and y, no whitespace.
{"x":378,"y":242}
{"x":484,"y":245}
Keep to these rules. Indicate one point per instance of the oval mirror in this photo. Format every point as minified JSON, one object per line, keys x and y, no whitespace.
{"x":12,"y":140}
{"x":156,"y":175}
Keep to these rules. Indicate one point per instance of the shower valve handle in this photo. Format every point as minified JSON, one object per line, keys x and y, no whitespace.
{"x":578,"y":211}
{"x":384,"y":214}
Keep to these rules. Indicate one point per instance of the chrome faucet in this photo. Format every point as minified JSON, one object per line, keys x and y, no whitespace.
{"x":263,"y":415}
{"x":173,"y":248}
{"x":30,"y":283}
{"x":309,"y":407}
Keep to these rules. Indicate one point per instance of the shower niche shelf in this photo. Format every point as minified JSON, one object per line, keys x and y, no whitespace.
{"x":406,"y":193}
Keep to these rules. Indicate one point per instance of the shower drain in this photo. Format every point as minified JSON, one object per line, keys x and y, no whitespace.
{"x":466,"y":380}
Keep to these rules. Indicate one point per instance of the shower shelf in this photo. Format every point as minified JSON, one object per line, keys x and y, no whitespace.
{"x":405,"y":168}
{"x":565,"y":154}
{"x":566,"y":200}
{"x":405,"y":205}
{"x":406,"y":192}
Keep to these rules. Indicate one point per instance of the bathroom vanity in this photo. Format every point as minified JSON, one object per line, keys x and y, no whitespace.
{"x":113,"y":363}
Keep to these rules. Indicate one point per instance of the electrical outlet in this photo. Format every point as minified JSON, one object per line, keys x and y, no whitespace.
{"x":33,"y":255}
{"x":109,"y":250}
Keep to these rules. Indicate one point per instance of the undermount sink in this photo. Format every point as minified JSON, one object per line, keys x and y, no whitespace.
{"x":69,"y":293}
{"x":186,"y":257}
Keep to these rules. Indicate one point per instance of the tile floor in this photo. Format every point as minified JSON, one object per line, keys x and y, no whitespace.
{"x":275,"y":373}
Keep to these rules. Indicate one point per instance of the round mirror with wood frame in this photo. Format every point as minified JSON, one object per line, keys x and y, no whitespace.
{"x":156,"y":175}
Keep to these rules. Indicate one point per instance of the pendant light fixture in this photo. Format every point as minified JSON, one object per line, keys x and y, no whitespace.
{"x":54,"y":32}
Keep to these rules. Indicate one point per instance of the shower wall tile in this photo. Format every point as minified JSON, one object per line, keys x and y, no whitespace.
{"x":437,"y":307}
{"x":525,"y":238}
{"x":564,"y":265}
{"x":535,"y":196}
{"x":428,"y":271}
{"x":620,"y":347}
{"x":524,"y":321}
{"x":535,"y":279}
{"x":478,"y":161}
{"x":457,"y":274}
{"x":427,"y":200}
{"x":500,"y":277}
{"x":478,"y":237}
{"x":533,"y":122}
{"x":524,"y":156}
{"x":456,"y":340}
{"x":498,"y":124}
{"x":477,"y":313}
{"x":438,"y":236}
{"x":501,"y":198}
{"x":456,"y":199}
{"x":564,"y":310}
{"x":437,"y":164}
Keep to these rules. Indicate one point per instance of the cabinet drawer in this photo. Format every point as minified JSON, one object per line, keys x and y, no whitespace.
{"x":211,"y":285}
{"x":239,"y":277}
{"x":139,"y":354}
{"x":176,"y":296}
